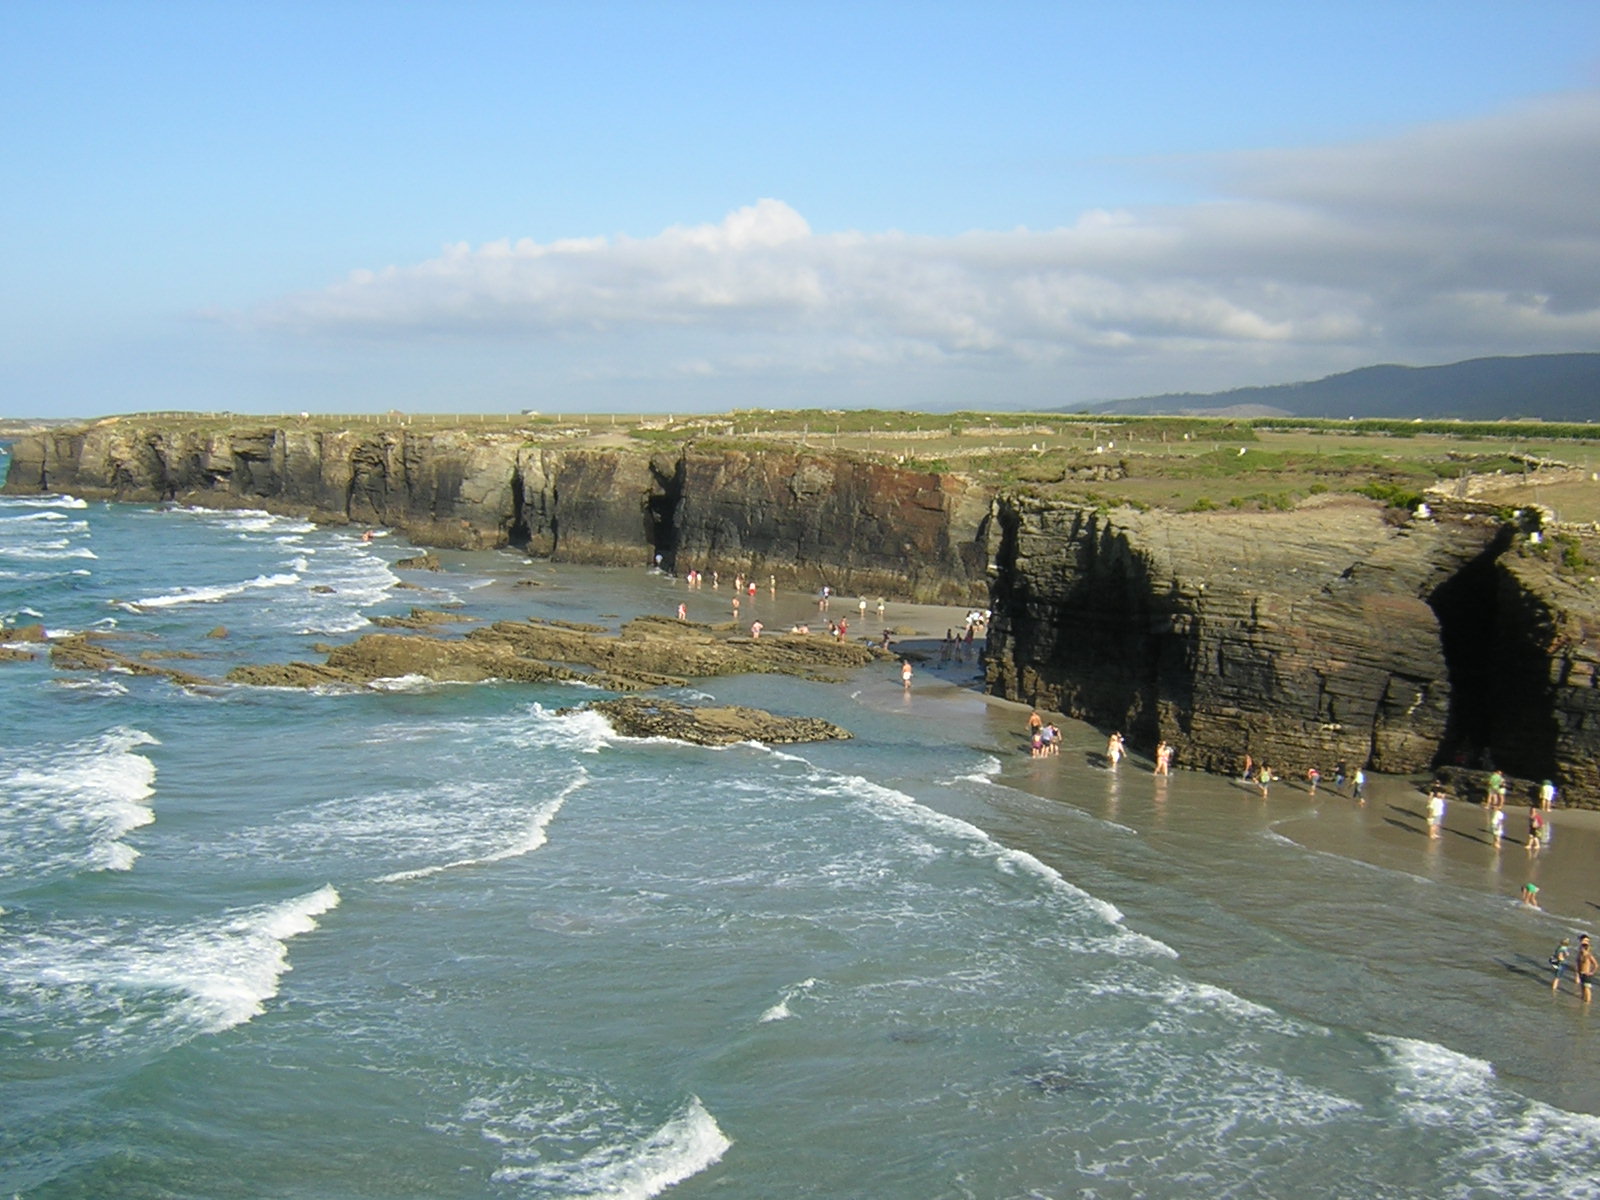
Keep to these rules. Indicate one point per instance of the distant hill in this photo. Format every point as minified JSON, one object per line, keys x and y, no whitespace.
{"x":1551,"y":387}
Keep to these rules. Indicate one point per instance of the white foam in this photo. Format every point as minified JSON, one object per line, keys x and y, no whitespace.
{"x":686,"y":1145}
{"x":402,"y":683}
{"x":92,"y":687}
{"x":48,"y":551}
{"x":218,"y":592}
{"x":76,"y":804}
{"x":125,"y":982}
{"x":58,"y":501}
{"x":1519,"y":1146}
{"x":532,"y":836}
{"x":781,"y":1010}
{"x":1009,"y":860}
{"x":48,"y":514}
{"x":232,"y":971}
{"x":584,"y":730}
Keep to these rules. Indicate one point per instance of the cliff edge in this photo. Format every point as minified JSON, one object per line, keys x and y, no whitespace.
{"x":813,"y":519}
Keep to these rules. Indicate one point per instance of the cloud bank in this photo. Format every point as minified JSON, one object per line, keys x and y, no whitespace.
{"x":1447,"y":241}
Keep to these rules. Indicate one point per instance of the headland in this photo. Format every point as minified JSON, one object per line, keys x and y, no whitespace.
{"x":1408,"y":598}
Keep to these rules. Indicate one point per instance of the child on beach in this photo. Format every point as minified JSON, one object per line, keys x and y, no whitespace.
{"x":1435,"y":812}
{"x":1497,"y":825}
{"x":1558,"y":962}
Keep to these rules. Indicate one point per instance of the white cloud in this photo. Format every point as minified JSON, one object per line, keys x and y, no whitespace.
{"x":1473,"y":237}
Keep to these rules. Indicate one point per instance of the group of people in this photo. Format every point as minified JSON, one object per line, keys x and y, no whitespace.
{"x":1263,"y":777}
{"x":954,"y":647}
{"x":696,"y":579}
{"x":1584,"y":965}
{"x":1044,"y":739}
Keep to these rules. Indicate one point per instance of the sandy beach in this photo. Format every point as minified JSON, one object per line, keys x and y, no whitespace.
{"x":1388,"y":831}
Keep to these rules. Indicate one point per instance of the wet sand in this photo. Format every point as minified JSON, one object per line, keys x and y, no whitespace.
{"x":1388,"y":831}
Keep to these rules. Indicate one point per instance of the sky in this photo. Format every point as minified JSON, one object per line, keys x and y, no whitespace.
{"x":346,"y":207}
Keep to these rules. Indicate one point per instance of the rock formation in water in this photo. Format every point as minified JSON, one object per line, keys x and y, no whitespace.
{"x":1341,"y":631}
{"x":708,"y":725}
{"x":647,"y":652}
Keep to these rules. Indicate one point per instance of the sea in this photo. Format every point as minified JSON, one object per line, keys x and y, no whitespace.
{"x":427,"y":940}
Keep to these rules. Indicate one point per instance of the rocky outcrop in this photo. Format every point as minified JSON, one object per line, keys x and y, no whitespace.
{"x":647,"y":652}
{"x":809,"y":518}
{"x":638,"y":717}
{"x":1338,"y":631}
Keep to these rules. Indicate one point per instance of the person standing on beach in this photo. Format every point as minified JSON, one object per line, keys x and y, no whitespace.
{"x":1535,"y":830}
{"x":1586,"y":967}
{"x":1495,"y":796}
{"x":1313,"y":777}
{"x":1162,"y":757}
{"x":1547,"y":795}
{"x":1359,"y":785}
{"x":1338,"y":775}
{"x":1113,"y":748}
{"x":905,"y":673}
{"x":1435,"y":812}
{"x":1497,"y":825}
{"x":1264,"y":779}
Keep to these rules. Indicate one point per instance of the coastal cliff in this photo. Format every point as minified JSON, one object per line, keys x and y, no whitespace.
{"x":812,"y":519}
{"x":1340,"y":631}
{"x":1454,"y":636}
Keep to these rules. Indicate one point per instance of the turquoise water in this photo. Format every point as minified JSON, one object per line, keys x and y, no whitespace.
{"x":421,"y":940}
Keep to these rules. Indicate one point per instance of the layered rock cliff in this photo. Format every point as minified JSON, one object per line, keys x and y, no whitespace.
{"x":1339,"y":631}
{"x":812,"y":519}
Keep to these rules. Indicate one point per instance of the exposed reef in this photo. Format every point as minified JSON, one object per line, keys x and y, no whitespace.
{"x":648,"y":652}
{"x":637,"y":716}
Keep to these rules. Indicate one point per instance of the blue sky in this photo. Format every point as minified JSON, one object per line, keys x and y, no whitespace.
{"x":349,"y":207}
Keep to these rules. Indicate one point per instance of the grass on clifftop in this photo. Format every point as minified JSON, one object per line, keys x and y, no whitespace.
{"x":1180,"y":463}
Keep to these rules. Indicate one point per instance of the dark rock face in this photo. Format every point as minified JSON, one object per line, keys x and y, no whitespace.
{"x":811,"y":519}
{"x":1340,"y":631}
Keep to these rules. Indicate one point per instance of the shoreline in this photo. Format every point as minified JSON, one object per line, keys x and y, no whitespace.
{"x":1389,"y":832}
